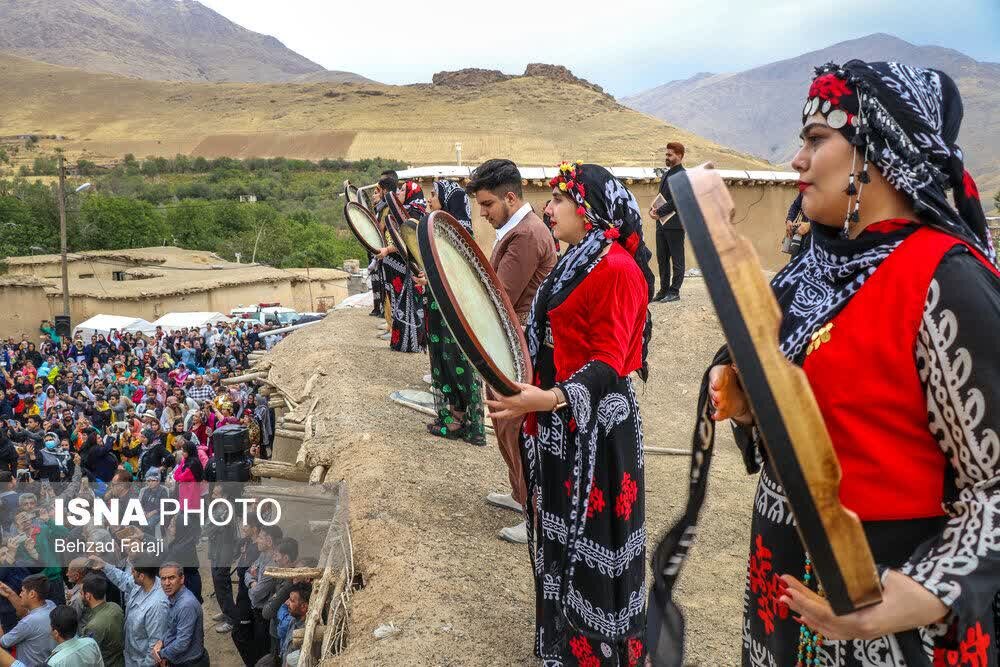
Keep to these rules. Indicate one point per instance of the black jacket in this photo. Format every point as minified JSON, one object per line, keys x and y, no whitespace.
{"x":668,"y":208}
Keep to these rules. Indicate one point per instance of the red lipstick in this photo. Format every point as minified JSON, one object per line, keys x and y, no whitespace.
{"x":803,"y":186}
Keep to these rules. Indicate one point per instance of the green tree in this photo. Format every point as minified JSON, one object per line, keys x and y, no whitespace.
{"x":4,"y":158}
{"x":45,"y":166}
{"x":191,"y":224}
{"x":113,"y":223}
{"x":86,"y":167}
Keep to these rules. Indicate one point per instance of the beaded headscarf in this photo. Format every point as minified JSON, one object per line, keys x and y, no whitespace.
{"x":904,"y":120}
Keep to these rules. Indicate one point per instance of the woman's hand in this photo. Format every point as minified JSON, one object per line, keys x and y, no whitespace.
{"x":385,"y":252}
{"x":531,"y":399}
{"x":420,"y":279}
{"x":905,"y":605}
{"x":803,"y":228}
{"x":727,"y":395}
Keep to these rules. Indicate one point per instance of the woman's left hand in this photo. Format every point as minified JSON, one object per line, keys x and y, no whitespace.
{"x":905,"y":605}
{"x":531,"y":399}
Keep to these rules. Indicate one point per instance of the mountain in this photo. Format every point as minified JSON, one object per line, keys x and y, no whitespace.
{"x":151,"y":39}
{"x":532,"y":119}
{"x":758,"y":110}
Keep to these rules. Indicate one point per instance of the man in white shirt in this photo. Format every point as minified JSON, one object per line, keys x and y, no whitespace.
{"x":522,"y":257}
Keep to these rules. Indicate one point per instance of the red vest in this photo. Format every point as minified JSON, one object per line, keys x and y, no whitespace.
{"x":866,"y":383}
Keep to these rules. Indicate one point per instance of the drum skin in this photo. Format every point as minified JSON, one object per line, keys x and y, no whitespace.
{"x":474,"y":303}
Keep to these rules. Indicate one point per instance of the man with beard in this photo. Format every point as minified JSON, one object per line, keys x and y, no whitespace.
{"x":669,"y":232}
{"x":523,"y":255}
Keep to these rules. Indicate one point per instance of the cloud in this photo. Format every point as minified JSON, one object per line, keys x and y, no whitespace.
{"x":624,"y":46}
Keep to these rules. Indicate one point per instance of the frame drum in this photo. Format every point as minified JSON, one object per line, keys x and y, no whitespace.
{"x":474,"y":303}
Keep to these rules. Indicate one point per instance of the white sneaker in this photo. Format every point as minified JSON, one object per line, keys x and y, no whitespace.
{"x":517,"y":534}
{"x":383,"y":326}
{"x":225,"y":627}
{"x":221,"y":616}
{"x":429,"y":379}
{"x":503,"y":500}
{"x":386,"y":336}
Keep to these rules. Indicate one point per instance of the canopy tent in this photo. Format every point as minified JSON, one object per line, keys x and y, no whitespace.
{"x":174,"y":321}
{"x":103,"y":324}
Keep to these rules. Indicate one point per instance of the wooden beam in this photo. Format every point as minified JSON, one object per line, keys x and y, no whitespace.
{"x":299,"y":634}
{"x":294,"y":572}
{"x":317,"y":601}
{"x":292,"y":435}
{"x":247,"y":377}
{"x":279,"y":470}
{"x":317,"y":474}
{"x":291,"y":426}
{"x":666,"y":450}
{"x":312,"y":493}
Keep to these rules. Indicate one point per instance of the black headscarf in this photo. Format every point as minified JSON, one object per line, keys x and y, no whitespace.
{"x":455,"y":202}
{"x":906,"y":121}
{"x":612,"y":215}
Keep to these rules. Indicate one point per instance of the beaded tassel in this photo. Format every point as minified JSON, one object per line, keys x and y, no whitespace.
{"x":809,"y":641}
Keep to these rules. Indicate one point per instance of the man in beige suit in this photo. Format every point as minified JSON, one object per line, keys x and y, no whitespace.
{"x":523,"y":255}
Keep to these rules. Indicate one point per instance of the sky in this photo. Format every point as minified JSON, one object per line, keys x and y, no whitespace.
{"x":625,"y":46}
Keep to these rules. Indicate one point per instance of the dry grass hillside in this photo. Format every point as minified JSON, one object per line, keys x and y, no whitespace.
{"x":530,"y":119}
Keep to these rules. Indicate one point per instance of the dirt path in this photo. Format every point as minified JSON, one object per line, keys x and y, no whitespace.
{"x":425,"y":539}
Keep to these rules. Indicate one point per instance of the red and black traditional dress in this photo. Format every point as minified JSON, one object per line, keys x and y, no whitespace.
{"x":405,"y":302}
{"x":587,"y":333}
{"x":895,"y":330}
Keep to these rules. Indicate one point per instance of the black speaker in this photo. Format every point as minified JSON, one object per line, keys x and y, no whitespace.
{"x":232,"y":453}
{"x":63,"y":326}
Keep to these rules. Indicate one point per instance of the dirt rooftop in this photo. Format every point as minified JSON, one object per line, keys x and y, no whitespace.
{"x":425,"y":539}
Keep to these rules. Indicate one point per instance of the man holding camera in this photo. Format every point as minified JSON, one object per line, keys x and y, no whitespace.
{"x":669,"y":232}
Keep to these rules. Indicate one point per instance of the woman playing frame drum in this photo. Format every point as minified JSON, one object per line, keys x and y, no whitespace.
{"x":588,"y":330}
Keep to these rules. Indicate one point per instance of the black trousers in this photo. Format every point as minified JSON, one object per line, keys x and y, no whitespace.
{"x":192,"y":581}
{"x":253,"y":640}
{"x":670,"y":250}
{"x":222,"y":582}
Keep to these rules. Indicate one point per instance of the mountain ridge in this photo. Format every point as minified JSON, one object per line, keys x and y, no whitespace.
{"x":757,"y":110}
{"x":166,"y":40}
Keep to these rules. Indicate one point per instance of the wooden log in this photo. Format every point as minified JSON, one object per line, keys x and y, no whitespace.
{"x":666,"y":450}
{"x":279,"y":470}
{"x":310,"y":383}
{"x":332,"y":621}
{"x":313,"y":493}
{"x":294,"y":572}
{"x":316,"y":477}
{"x":299,"y":634}
{"x":300,"y":459}
{"x":320,"y":592}
{"x":246,"y":377}
{"x":293,"y":435}
{"x":319,"y":526}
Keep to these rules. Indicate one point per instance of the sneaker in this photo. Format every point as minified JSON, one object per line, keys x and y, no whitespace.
{"x":659,"y":295}
{"x":429,"y":379}
{"x":517,"y":534}
{"x":225,"y":627}
{"x":670,"y":297}
{"x":221,"y":616}
{"x":504,"y":500}
{"x":385,"y":336}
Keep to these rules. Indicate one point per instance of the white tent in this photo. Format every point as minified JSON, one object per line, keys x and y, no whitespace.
{"x":103,"y":324}
{"x":174,"y":321}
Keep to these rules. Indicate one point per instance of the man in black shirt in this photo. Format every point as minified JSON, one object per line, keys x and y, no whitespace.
{"x":669,"y":232}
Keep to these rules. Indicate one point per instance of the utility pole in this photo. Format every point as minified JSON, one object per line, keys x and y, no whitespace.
{"x":62,"y":236}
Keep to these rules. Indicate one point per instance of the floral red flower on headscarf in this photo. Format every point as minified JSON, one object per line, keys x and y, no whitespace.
{"x":830,"y":87}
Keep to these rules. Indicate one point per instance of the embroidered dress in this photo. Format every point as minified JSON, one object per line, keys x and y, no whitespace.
{"x":894,"y":330}
{"x":405,"y":297}
{"x":950,"y":460}
{"x":584,"y":463}
{"x":457,"y":385}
